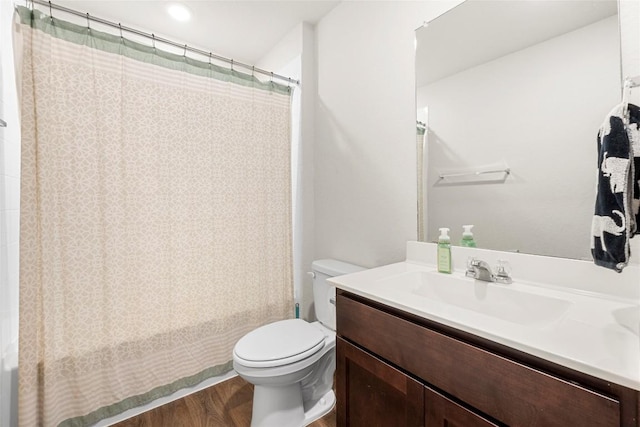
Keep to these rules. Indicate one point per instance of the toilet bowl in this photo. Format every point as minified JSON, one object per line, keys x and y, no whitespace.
{"x":291,"y":362}
{"x":291,"y":387}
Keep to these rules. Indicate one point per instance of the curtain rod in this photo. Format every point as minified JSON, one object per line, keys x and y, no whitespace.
{"x":165,"y":41}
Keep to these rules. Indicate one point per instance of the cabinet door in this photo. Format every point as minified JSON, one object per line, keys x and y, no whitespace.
{"x":443,"y":412}
{"x":372,"y":393}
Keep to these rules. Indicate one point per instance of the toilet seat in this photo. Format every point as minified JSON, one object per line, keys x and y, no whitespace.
{"x":279,"y":343}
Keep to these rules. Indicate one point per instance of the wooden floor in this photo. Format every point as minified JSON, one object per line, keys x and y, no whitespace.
{"x":227,"y":404}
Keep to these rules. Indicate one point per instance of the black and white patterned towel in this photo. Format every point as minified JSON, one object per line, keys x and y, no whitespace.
{"x":617,"y":207}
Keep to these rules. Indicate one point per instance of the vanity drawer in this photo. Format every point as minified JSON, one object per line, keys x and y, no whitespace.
{"x":509,"y":392}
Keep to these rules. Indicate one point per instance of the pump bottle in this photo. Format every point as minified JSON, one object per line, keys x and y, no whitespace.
{"x":467,"y":237}
{"x":444,"y":251}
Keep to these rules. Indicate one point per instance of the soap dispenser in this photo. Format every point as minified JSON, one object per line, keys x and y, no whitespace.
{"x":467,"y":237}
{"x":444,"y":251}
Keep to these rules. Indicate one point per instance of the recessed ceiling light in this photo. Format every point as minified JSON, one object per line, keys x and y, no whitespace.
{"x":179,"y":12}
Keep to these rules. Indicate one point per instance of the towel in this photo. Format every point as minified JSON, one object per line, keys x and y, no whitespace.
{"x":617,"y":207}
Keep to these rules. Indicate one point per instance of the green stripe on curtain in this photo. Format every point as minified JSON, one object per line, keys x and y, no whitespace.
{"x":137,"y":401}
{"x":81,"y":35}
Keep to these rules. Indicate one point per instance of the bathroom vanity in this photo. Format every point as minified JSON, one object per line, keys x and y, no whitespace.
{"x":409,"y":358}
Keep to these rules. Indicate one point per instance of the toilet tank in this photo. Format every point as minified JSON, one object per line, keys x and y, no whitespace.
{"x":323,"y":292}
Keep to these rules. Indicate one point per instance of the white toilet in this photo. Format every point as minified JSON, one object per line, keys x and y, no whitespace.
{"x":291,"y":362}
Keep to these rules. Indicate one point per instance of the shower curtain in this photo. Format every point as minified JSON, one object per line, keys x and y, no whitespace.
{"x":155,"y":219}
{"x":421,"y":137}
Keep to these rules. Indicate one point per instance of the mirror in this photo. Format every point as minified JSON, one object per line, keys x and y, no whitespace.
{"x":510,"y":97}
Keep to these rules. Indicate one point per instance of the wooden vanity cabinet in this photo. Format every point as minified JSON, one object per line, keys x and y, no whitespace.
{"x":379,"y":395}
{"x":440,"y":411}
{"x":396,"y":369}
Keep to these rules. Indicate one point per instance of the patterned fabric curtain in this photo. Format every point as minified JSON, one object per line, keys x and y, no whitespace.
{"x":155,"y":220}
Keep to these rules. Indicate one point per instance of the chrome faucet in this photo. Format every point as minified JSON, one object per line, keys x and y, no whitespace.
{"x":480,"y":270}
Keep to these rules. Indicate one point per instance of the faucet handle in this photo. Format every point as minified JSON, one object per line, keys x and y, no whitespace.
{"x":471,"y":261}
{"x":503,"y":272}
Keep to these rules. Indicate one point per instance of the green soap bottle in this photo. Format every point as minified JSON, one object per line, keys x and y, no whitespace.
{"x":467,"y":237}
{"x":444,"y":251}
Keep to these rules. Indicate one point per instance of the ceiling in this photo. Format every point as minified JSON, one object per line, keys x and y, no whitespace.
{"x":505,"y":27}
{"x":242,"y":30}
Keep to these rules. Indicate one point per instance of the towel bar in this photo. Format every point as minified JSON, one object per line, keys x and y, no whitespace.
{"x":632,"y":82}
{"x":455,"y":175}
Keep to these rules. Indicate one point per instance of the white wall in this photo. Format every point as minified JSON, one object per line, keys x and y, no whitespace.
{"x":538,"y":111}
{"x":630,"y":38}
{"x":9,"y":223}
{"x":365,"y":174}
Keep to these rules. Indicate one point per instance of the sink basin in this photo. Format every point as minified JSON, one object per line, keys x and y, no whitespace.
{"x":629,"y":318}
{"x":491,"y":299}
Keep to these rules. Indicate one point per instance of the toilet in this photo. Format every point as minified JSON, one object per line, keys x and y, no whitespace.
{"x":291,"y":362}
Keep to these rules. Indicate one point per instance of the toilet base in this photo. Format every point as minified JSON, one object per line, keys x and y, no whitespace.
{"x":283,"y":407}
{"x":277,"y":406}
{"x":320,"y":408}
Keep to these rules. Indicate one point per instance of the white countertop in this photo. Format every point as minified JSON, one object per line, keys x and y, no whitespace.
{"x":597,"y":334}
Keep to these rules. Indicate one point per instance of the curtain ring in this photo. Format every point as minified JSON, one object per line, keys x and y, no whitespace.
{"x":185,"y":51}
{"x":232,"y":65}
{"x":272,"y":77}
{"x":253,"y":71}
{"x":88,"y":22}
{"x":120,"y":27}
{"x":153,"y":41}
{"x":210,"y":55}
{"x":50,"y":10}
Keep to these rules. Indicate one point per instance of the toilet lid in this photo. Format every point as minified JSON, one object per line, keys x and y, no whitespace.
{"x":279,"y":343}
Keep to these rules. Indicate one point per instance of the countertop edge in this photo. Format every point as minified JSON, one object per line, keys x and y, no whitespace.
{"x":589,"y":369}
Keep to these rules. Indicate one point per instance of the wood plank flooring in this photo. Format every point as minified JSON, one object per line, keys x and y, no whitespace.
{"x":227,"y":404}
